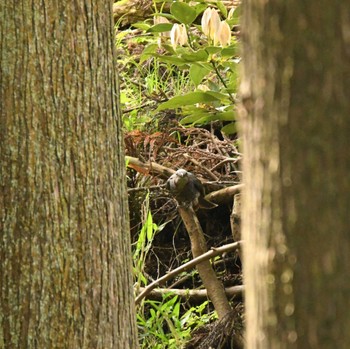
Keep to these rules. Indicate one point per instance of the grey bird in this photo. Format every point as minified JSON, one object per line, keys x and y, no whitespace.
{"x":187,"y":189}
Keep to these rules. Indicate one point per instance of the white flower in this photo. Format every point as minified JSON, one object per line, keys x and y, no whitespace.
{"x":223,"y":34}
{"x":210,"y":22}
{"x":160,"y":20}
{"x":178,"y":35}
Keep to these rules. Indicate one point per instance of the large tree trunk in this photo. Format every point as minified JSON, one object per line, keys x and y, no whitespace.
{"x":296,"y":128}
{"x":65,"y":270}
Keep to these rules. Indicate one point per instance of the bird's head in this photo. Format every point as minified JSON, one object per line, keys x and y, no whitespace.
{"x":181,"y":172}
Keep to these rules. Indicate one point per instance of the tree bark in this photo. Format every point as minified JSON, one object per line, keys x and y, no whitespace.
{"x":65,"y":271}
{"x":296,"y":127}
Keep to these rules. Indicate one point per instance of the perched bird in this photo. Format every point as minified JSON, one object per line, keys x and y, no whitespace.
{"x":188,"y":189}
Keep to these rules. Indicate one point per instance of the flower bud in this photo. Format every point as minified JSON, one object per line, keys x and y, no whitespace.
{"x":223,"y":35}
{"x":160,"y":20}
{"x":178,"y":35}
{"x":210,"y":22}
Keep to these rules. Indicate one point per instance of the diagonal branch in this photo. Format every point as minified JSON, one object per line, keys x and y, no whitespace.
{"x":214,"y":287}
{"x":204,"y":257}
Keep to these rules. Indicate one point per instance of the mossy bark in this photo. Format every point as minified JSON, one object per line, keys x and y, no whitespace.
{"x":65,"y":271}
{"x":296,"y":126}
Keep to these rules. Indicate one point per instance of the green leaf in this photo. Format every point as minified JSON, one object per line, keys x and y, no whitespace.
{"x":141,"y":25}
{"x":229,"y":51}
{"x":169,"y":48}
{"x":176,"y":311}
{"x":188,"y":99}
{"x":226,"y":116}
{"x":222,"y":8}
{"x":219,"y":96}
{"x":213,"y":49}
{"x":183,"y":13}
{"x":160,"y":28}
{"x":149,"y":50}
{"x":232,"y":66}
{"x":195,"y":118}
{"x":200,"y":8}
{"x":197,"y":56}
{"x":204,"y":117}
{"x":198,"y":72}
{"x":171,"y":59}
{"x":230,"y":128}
{"x":149,"y":225}
{"x":213,"y":86}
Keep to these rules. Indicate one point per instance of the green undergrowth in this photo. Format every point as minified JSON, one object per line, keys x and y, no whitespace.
{"x":197,"y":79}
{"x":166,"y":323}
{"x":194,"y":78}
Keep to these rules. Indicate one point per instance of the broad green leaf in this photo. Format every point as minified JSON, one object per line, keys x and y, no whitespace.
{"x":231,"y":65}
{"x":205,"y":117}
{"x":222,"y":8}
{"x":200,"y":8}
{"x":194,"y":118}
{"x":230,"y":128}
{"x":229,"y":51}
{"x":141,"y":25}
{"x":213,"y":86}
{"x":197,"y":56}
{"x":188,"y":99}
{"x":225,"y":116}
{"x":183,"y":13}
{"x":218,"y":95}
{"x":148,"y":51}
{"x":198,"y":72}
{"x":171,"y":59}
{"x":213,"y":49}
{"x":152,"y":48}
{"x":204,"y":120}
{"x":160,"y":28}
{"x":169,"y":48}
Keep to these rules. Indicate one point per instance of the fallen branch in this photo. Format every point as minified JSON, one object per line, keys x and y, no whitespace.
{"x":189,"y":265}
{"x":224,"y":195}
{"x":195,"y":295}
{"x":148,"y":167}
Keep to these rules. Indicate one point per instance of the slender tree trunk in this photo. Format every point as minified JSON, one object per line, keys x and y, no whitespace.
{"x":296,"y":129}
{"x":65,"y":269}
